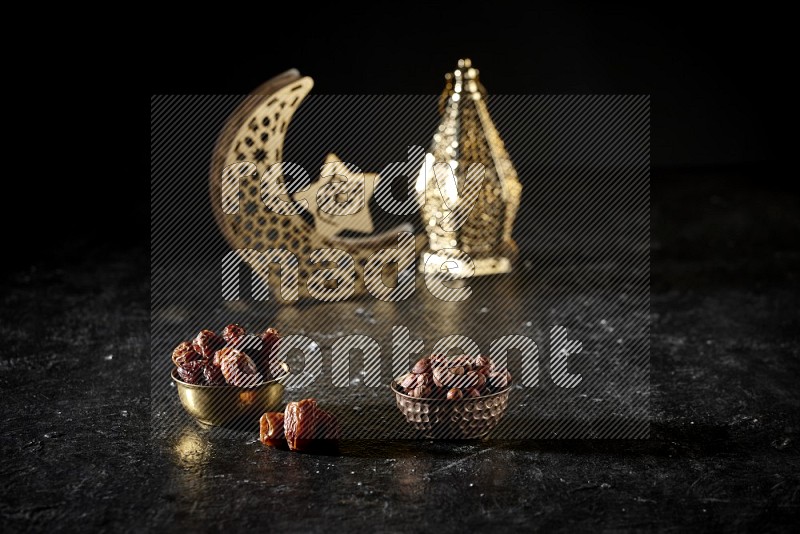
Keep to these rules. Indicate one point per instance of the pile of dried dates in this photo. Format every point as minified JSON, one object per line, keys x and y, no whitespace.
{"x":236,"y":357}
{"x":303,"y":426}
{"x":454,"y":378}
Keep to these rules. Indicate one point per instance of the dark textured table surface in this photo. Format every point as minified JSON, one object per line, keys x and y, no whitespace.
{"x":77,"y":449}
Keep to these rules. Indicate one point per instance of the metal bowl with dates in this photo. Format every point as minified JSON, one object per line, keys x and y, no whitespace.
{"x":466,"y":418}
{"x":225,"y":405}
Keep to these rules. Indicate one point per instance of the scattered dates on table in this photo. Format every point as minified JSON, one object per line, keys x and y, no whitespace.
{"x":235,"y":357}
{"x":302,"y":426}
{"x":454,"y":378}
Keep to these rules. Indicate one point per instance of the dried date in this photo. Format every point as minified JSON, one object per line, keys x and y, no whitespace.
{"x":420,"y":392}
{"x":191,"y":372}
{"x":239,"y":369}
{"x":213,"y":374}
{"x":425,"y":380}
{"x":271,"y":432}
{"x":232,"y":333}
{"x":422,"y":366}
{"x":408,"y":381}
{"x":270,"y":337}
{"x":184,"y":353}
{"x":438,"y":375}
{"x":210,"y":350}
{"x":462,"y":360}
{"x":303,"y":426}
{"x":267,"y":359}
{"x":300,"y":424}
{"x":462,"y":376}
{"x":438,"y":360}
{"x":455,"y":394}
{"x":207,"y":343}
{"x":221,"y":354}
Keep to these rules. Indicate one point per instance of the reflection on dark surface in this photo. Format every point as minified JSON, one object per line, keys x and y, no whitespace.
{"x":192,"y":449}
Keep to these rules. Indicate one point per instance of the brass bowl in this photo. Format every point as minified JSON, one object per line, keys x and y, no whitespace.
{"x":467,"y":418}
{"x":226,"y":404}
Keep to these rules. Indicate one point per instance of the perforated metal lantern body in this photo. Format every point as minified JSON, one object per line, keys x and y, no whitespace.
{"x":467,"y":142}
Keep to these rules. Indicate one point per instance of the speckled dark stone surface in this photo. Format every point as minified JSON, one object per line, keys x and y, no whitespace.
{"x":77,"y":449}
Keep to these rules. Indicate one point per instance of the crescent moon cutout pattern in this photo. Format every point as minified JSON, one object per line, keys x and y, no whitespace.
{"x":255,"y":133}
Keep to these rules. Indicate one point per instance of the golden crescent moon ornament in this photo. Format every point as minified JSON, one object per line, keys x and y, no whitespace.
{"x":255,"y":133}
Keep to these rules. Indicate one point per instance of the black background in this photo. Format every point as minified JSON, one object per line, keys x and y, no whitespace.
{"x":714,"y":74}
{"x":709,"y":71}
